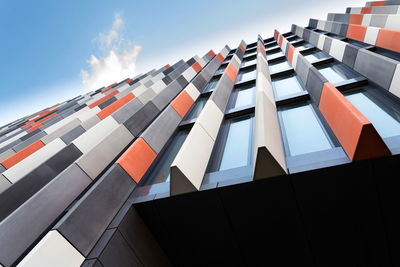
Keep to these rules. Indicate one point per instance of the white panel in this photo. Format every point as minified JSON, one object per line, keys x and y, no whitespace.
{"x":371,"y":35}
{"x":321,"y":41}
{"x":337,"y":49}
{"x":210,"y":119}
{"x":94,"y":135}
{"x":393,"y":22}
{"x":28,"y":164}
{"x":192,"y":91}
{"x":395,"y":85}
{"x":53,"y":250}
{"x":355,"y":10}
{"x":321,"y":24}
{"x":189,"y":74}
{"x":366,"y":21}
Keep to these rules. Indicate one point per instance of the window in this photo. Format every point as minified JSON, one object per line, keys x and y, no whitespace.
{"x":386,"y":124}
{"x":250,"y":51}
{"x":161,"y":172}
{"x":220,"y":70}
{"x":194,"y":112}
{"x":275,"y":55}
{"x":278,"y":67}
{"x":248,"y":62}
{"x":211,"y":85}
{"x":286,"y":86}
{"x":317,"y":56}
{"x":336,"y":72}
{"x":246,"y":75}
{"x":302,"y":130}
{"x":234,"y":145}
{"x":267,"y":49}
{"x":304,"y":46}
{"x":242,"y":96}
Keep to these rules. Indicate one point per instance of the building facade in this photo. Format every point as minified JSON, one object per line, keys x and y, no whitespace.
{"x":278,"y":152}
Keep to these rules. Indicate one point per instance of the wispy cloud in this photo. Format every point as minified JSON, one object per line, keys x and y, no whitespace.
{"x":118,"y":61}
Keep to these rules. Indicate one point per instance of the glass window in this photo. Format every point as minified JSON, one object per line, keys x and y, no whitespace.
{"x":275,"y":55}
{"x":220,"y":70}
{"x":286,"y":86}
{"x":278,"y":67}
{"x":243,"y":96}
{"x":314,"y":57}
{"x":304,"y":46}
{"x":385,"y":124}
{"x":246,"y":75}
{"x":303,"y":130}
{"x":161,"y":172}
{"x":194,"y":112}
{"x":237,"y":150}
{"x":248,"y":62}
{"x":336,"y":73}
{"x":211,"y":85}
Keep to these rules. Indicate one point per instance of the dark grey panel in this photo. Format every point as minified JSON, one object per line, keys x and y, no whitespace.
{"x":159,"y":132}
{"x":26,"y":187}
{"x":315,"y":82}
{"x":139,"y":121}
{"x":199,"y":82}
{"x":350,"y":55}
{"x":306,"y":34}
{"x":340,"y":29}
{"x":29,"y":141}
{"x":222,"y":92}
{"x":30,"y":221}
{"x":127,"y":111}
{"x":182,"y":81}
{"x":91,"y":263}
{"x":107,"y":102}
{"x":327,"y":44}
{"x":72,"y":134}
{"x":89,"y":217}
{"x":302,"y":68}
{"x":165,"y":96}
{"x":377,"y":68}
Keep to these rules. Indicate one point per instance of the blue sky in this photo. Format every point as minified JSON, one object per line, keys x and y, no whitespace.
{"x":55,"y":50}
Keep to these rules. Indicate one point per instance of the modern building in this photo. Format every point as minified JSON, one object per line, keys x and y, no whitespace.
{"x":280,"y":152}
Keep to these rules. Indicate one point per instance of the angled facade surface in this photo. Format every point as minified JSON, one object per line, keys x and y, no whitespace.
{"x":282,"y":151}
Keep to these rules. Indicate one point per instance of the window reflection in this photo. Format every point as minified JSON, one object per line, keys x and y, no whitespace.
{"x":286,"y":86}
{"x":237,"y":150}
{"x":384,"y":123}
{"x":337,"y":72}
{"x":161,"y":172}
{"x":243,"y":96}
{"x":248,"y":62}
{"x":275,"y":55}
{"x":303,"y":131}
{"x":278,"y":67}
{"x":195,"y":111}
{"x":211,"y":85}
{"x":246,"y":75}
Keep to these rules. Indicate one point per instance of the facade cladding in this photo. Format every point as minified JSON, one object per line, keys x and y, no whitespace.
{"x":279,"y":152}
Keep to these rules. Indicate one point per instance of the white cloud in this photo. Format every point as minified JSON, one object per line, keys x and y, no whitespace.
{"x":118,"y":62}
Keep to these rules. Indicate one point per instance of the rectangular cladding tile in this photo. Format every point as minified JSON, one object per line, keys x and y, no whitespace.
{"x":354,"y":131}
{"x":25,"y":225}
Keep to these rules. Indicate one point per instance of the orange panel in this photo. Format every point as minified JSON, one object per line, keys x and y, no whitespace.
{"x":196,"y":66}
{"x":356,"y":19}
{"x":290,"y":53}
{"x":168,"y":66}
{"x":34,"y":127}
{"x":103,"y":99}
{"x":388,"y":39}
{"x":242,"y":48}
{"x":354,"y":131}
{"x":20,"y":155}
{"x":356,"y":32}
{"x":231,"y":72}
{"x":47,"y":118}
{"x":280,"y":40}
{"x":115,"y":106}
{"x":182,"y":103}
{"x":211,"y":53}
{"x":276,"y":34}
{"x":378,"y":3}
{"x":366,"y":10}
{"x":106,"y":90}
{"x":137,"y":159}
{"x":220,"y":57}
{"x":129,"y":81}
